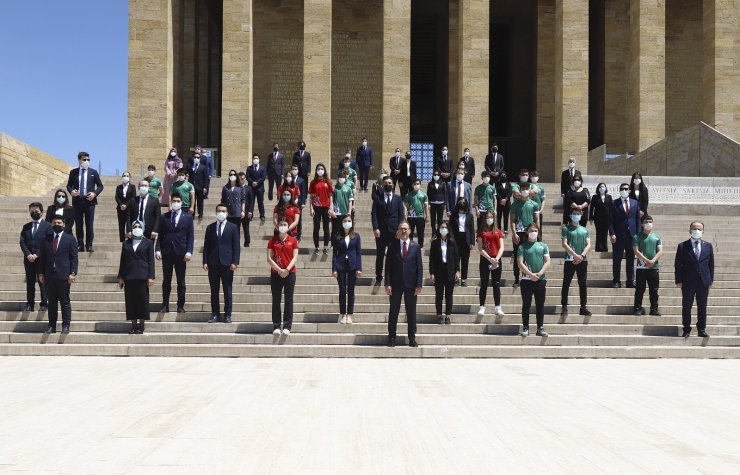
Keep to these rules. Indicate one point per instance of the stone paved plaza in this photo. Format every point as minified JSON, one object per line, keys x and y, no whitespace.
{"x":174,"y":415}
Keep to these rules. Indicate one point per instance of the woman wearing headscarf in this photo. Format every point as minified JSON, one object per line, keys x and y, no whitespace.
{"x":172,"y":163}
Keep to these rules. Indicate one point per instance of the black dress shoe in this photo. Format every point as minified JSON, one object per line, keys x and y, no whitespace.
{"x":378,"y":280}
{"x":90,"y":249}
{"x":703,"y":334}
{"x":463,"y":283}
{"x":564,"y":311}
{"x":447,"y":320}
{"x":654,"y":312}
{"x":180,"y":309}
{"x":391,"y":341}
{"x":214,"y":319}
{"x":65,"y":330}
{"x":617,"y":285}
{"x":80,"y":248}
{"x":29,"y":308}
{"x":43,"y":308}
{"x":413,"y":344}
{"x":639,"y":311}
{"x":227,"y":319}
{"x":134,"y":329}
{"x":585,"y":312}
{"x":50,"y":330}
{"x":630,"y":284}
{"x":165,"y":309}
{"x":686,"y":333}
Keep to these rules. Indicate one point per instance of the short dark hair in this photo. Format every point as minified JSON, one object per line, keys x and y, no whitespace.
{"x":524,"y":186}
{"x":36,"y":204}
{"x":485,"y":173}
{"x":523,"y":170}
{"x":645,"y":217}
{"x":151,"y":167}
{"x":82,"y":154}
{"x":174,"y":195}
{"x":221,"y":205}
{"x":58,"y":218}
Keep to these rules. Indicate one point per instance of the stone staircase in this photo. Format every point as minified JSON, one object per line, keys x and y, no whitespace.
{"x":99,"y":326}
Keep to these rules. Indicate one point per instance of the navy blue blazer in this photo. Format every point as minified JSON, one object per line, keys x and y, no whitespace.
{"x":175,"y":241}
{"x":93,"y":184}
{"x":256,"y":176}
{"x":688,"y":270}
{"x":347,"y":258}
{"x":62,"y":264}
{"x":304,"y":164}
{"x":405,"y":273}
{"x":224,"y":251}
{"x":452,"y":195}
{"x":32,"y":244}
{"x":139,"y":264}
{"x":303,"y":186}
{"x":200,"y":179}
{"x":275,"y":168}
{"x":454,"y":226}
{"x":621,"y":225}
{"x":364,"y":156}
{"x":386,"y":218}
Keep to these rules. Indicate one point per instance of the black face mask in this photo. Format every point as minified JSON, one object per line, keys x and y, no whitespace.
{"x":58,"y":228}
{"x":388,"y":187}
{"x":275,"y":149}
{"x":35,"y":215}
{"x":302,"y":147}
{"x":462,"y":207}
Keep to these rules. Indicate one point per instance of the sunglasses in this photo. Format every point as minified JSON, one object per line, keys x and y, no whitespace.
{"x":85,"y":159}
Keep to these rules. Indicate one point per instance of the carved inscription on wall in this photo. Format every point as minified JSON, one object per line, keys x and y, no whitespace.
{"x":286,"y":92}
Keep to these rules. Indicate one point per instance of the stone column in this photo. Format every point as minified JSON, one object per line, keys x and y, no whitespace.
{"x":721,"y":79}
{"x":317,"y":28}
{"x":453,"y":101}
{"x":473,"y":68}
{"x":545,"y":88}
{"x":150,"y":82}
{"x":396,"y":78}
{"x":646,"y":74}
{"x":236,"y":85}
{"x":571,"y":84}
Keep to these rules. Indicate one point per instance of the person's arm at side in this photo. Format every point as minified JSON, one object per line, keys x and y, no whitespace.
{"x":152,"y":267}
{"x":470,"y":235}
{"x":586,"y":249}
{"x":119,"y":276}
{"x":432,"y":260}
{"x":293,"y":261}
{"x":191,"y":241}
{"x":271,"y":261}
{"x":358,"y":251}
{"x":72,"y":263}
{"x":206,"y":247}
{"x":678,"y":267}
{"x":374,"y":219}
{"x":545,"y":267}
{"x":657,"y":255}
{"x":157,"y":215}
{"x":294,"y":224}
{"x":419,"y":271}
{"x":711,"y":264}
{"x":24,"y":246}
{"x":235,"y":249}
{"x":98,"y":187}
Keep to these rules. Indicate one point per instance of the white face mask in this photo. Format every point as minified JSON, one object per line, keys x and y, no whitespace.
{"x":221,"y":216}
{"x":61,"y":200}
{"x":460,"y":177}
{"x":288,"y":180}
{"x":489,"y":221}
{"x":196,"y":161}
{"x":137,"y":232}
{"x":487,"y":180}
{"x":364,"y":144}
{"x":524,"y":193}
{"x":320,"y":172}
{"x":346,"y":155}
{"x":347,"y":225}
{"x":143,"y":190}
{"x":697,"y":233}
{"x":602,"y":190}
{"x":624,"y":193}
{"x":341,"y":181}
{"x":126,"y":179}
{"x":398,"y":154}
{"x":173,"y":154}
{"x":181,"y":179}
{"x":648,"y":226}
{"x":532,"y":236}
{"x":637,"y":181}
{"x":577,"y":183}
{"x":286,"y":198}
{"x":176,"y":205}
{"x":346,"y":164}
{"x":571,"y":165}
{"x":416,"y":187}
{"x":443,"y":231}
{"x":232,"y":178}
{"x":524,"y":179}
{"x":535,"y":179}
{"x":435,"y":177}
{"x":255,"y":162}
{"x":84,"y":165}
{"x":151,"y":172}
{"x":283,"y":229}
{"x":294,"y":172}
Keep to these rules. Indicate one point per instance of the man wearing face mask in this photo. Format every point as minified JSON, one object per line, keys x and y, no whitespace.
{"x":125,"y":192}
{"x":84,"y":185}
{"x":567,"y":177}
{"x":350,"y":166}
{"x":444,"y":166}
{"x":484,"y":197}
{"x":364,"y":159}
{"x":437,"y":195}
{"x":404,"y":273}
{"x":694,"y":274}
{"x":395,"y":167}
{"x":577,"y":243}
{"x":146,"y":210}
{"x":648,"y":248}
{"x":32,"y":238}
{"x":533,"y":259}
{"x":256,"y":174}
{"x":183,"y":188}
{"x":417,"y":210}
{"x":523,"y":213}
{"x":275,"y":171}
{"x":201,"y":182}
{"x":459,"y":189}
{"x":469,"y":164}
{"x":302,"y":158}
{"x":155,"y":184}
{"x":408,"y":175}
{"x":174,"y":248}
{"x":220,"y":260}
{"x":624,"y":224}
{"x":58,"y":270}
{"x":494,"y":160}
{"x":386,"y":214}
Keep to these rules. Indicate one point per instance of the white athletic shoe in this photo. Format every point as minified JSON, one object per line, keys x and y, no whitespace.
{"x":499,"y":311}
{"x":286,"y":331}
{"x":481,"y":311}
{"x":276,"y":331}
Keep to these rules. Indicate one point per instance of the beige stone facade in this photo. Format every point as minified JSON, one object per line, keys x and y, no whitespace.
{"x":238,"y":75}
{"x":28,"y":171}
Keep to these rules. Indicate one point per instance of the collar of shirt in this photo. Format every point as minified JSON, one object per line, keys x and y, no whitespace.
{"x":695,"y":241}
{"x":407,"y":241}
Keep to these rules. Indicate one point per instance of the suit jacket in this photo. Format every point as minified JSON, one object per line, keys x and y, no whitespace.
{"x":387,"y":217}
{"x":67,"y":213}
{"x":275,"y":164}
{"x":130,"y":195}
{"x":304,"y":164}
{"x":93,"y":184}
{"x":494,"y":162}
{"x":503,"y":191}
{"x":452,"y":195}
{"x":224,"y":251}
{"x":643,"y":200}
{"x":394,"y":163}
{"x":152,"y":212}
{"x":688,"y":270}
{"x":257,"y":176}
{"x":175,"y":240}
{"x":200,"y":178}
{"x":32,"y":244}
{"x":469,"y":168}
{"x":346,"y":258}
{"x":62,"y":264}
{"x":443,"y":166}
{"x":621,"y":225}
{"x":364,"y":156}
{"x":600,"y":211}
{"x":205,"y":161}
{"x":454,"y":226}
{"x":405,"y":273}
{"x":437,"y":266}
{"x":565,"y":180}
{"x":303,"y":186}
{"x":408,"y":172}
{"x":139,"y":264}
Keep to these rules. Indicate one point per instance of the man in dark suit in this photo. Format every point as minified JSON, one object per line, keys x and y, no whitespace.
{"x":32,"y":238}
{"x":459,"y":189}
{"x":494,"y":160}
{"x":469,"y":164}
{"x":146,"y":210}
{"x":407,"y":175}
{"x":302,"y":158}
{"x":624,"y":224}
{"x":84,"y":185}
{"x":567,"y":177}
{"x":404,"y":270}
{"x":174,"y":248}
{"x":395,"y":167}
{"x":256,"y":174}
{"x":58,"y":269}
{"x":275,"y":169}
{"x":220,"y":260}
{"x":694,"y":274}
{"x":443,"y":164}
{"x":201,"y":182}
{"x":364,"y":159}
{"x":386,"y":214}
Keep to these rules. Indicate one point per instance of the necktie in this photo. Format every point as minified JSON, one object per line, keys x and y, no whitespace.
{"x":35,"y":227}
{"x":56,"y":242}
{"x":405,"y":250}
{"x":627,"y":207}
{"x":83,"y":182}
{"x":141,"y":209}
{"x":387,"y":200}
{"x":301,"y":153}
{"x":174,"y":221}
{"x":459,"y":189}
{"x":696,"y":249}
{"x":220,"y":230}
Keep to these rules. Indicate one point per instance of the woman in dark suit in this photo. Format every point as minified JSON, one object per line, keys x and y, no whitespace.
{"x":503,"y":198}
{"x":577,"y":197}
{"x":601,"y":204}
{"x":61,"y":207}
{"x":125,"y":192}
{"x":136,"y":275}
{"x":639,"y":193}
{"x":461,"y":225}
{"x":444,"y":270}
{"x":346,"y":266}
